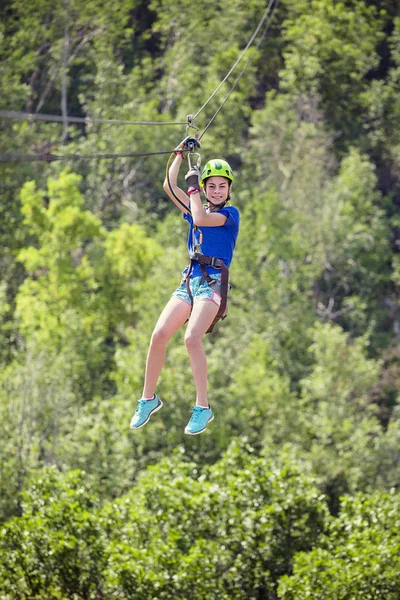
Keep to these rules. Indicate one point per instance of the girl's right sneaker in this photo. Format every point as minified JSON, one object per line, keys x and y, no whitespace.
{"x":201,"y":416}
{"x":144,"y":411}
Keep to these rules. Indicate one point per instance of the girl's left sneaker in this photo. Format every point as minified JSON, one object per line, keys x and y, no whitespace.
{"x":144,"y":411}
{"x":201,"y":416}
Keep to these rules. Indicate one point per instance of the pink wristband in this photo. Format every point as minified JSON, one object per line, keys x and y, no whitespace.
{"x":193,"y":190}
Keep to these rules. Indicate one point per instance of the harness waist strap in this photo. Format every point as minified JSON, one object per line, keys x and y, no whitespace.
{"x":203,"y":259}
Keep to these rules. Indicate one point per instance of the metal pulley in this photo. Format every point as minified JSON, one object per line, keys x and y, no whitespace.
{"x":192,"y":143}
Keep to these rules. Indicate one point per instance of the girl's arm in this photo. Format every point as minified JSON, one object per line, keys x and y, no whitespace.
{"x":173,"y":178}
{"x":199,"y":214}
{"x":201,"y":217}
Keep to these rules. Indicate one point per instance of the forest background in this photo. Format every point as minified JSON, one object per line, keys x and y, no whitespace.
{"x":293,"y":492}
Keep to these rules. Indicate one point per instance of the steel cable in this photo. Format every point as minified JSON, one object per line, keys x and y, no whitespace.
{"x":55,"y":157}
{"x":12,"y":114}
{"x":249,"y":43}
{"x":249,"y":60}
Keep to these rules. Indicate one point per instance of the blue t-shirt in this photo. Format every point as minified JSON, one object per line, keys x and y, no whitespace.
{"x":217,"y":241}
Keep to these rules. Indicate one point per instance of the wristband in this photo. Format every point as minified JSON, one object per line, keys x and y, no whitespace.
{"x":179,"y":153}
{"x":193,"y":190}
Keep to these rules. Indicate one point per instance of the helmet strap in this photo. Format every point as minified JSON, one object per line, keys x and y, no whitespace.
{"x":217,"y":206}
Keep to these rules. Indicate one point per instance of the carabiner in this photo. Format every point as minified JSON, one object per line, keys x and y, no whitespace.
{"x":198,"y":162}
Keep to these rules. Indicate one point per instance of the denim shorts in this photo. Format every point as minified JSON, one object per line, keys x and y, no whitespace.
{"x":200,"y":291}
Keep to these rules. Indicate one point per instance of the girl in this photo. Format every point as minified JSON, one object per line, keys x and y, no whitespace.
{"x":212,"y":238}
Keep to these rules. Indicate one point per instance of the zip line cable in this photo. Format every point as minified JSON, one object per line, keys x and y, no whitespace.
{"x":54,"y":157}
{"x":249,"y":60}
{"x":249,"y":43}
{"x":270,"y":10}
{"x":11,"y":114}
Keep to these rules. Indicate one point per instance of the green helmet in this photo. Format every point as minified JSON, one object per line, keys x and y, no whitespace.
{"x":218,"y":167}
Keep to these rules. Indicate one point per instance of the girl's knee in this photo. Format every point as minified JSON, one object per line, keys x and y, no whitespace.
{"x":160,"y":336}
{"x":192,"y":340}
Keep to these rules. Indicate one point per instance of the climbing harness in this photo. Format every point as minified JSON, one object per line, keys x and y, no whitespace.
{"x":217,"y":263}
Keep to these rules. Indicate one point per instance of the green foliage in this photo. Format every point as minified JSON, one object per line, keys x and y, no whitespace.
{"x":239,"y":522}
{"x":337,"y":413}
{"x":330,"y":50}
{"x":381,"y":103}
{"x":354,"y":225}
{"x":36,"y":396}
{"x":57,"y":547}
{"x":301,"y":237}
{"x":358,"y":558}
{"x":82,"y":280}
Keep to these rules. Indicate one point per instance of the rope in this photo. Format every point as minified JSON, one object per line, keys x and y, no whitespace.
{"x":170,"y":185}
{"x":54,"y":157}
{"x":12,"y":114}
{"x":264,"y":33}
{"x":239,"y":58}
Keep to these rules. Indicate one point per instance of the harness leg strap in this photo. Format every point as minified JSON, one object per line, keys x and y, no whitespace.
{"x":187,"y":282}
{"x":224,"y":297}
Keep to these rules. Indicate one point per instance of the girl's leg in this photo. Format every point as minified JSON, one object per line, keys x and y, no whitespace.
{"x":171,"y":319}
{"x":203,"y":314}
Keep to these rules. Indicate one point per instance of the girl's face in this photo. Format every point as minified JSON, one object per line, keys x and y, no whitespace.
{"x":217,"y":189}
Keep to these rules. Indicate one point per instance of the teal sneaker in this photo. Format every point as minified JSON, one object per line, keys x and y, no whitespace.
{"x":144,"y":411}
{"x":198,"y":421}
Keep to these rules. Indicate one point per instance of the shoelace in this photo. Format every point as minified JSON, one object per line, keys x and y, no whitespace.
{"x":196,"y":412}
{"x":140,"y":406}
